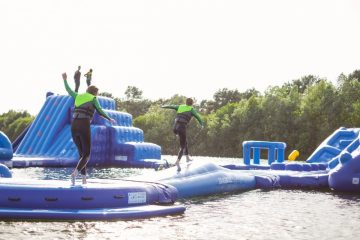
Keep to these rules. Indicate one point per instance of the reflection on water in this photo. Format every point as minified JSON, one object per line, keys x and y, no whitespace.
{"x":256,"y":214}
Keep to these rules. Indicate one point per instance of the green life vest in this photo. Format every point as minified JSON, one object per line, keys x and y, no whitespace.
{"x":83,"y":98}
{"x":184,"y":114}
{"x":84,"y":107}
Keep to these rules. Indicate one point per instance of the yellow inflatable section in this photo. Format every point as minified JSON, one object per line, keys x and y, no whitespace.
{"x":293,"y":155}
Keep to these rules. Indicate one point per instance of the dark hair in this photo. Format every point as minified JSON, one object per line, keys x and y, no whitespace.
{"x":189,"y":102}
{"x":92,"y":90}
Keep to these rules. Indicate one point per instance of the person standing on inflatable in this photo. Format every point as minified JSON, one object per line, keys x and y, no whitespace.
{"x":85,"y":106}
{"x":184,"y":114}
{"x":77,"y":76}
{"x":88,"y":76}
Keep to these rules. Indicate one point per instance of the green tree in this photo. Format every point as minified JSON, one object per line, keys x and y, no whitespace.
{"x":349,"y":100}
{"x":134,"y":102}
{"x":135,"y":108}
{"x":18,"y":126}
{"x":225,"y":96}
{"x":303,"y":83}
{"x":13,"y":123}
{"x":248,"y":121}
{"x":281,"y":107}
{"x":318,"y":115}
{"x":133,"y":93}
{"x":157,"y":127}
{"x":355,"y":75}
{"x":221,"y":139}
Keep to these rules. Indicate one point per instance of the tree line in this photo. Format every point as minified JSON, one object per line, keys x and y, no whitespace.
{"x":301,"y":113}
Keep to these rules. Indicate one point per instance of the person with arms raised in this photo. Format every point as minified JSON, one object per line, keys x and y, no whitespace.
{"x":85,"y":106}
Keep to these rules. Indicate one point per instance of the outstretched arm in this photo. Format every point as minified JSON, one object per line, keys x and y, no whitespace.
{"x":198,"y":117}
{"x":100,"y":111}
{"x":67,"y":87}
{"x":175,"y":107}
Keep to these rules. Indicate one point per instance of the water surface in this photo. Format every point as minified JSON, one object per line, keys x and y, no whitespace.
{"x":256,"y":214}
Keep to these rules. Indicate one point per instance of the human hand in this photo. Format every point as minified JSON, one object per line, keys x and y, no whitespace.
{"x":113,"y":121}
{"x":64,"y":76}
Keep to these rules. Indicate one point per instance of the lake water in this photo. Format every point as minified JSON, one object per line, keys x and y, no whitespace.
{"x":256,"y":214}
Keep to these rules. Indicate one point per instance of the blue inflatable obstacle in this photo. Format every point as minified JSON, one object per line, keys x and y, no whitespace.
{"x":276,"y":151}
{"x":334,"y":164}
{"x":6,"y":152}
{"x":98,"y":200}
{"x":329,"y":151}
{"x":345,"y":173}
{"x":48,"y":142}
{"x":341,"y":152}
{"x":199,"y":178}
{"x":4,"y":171}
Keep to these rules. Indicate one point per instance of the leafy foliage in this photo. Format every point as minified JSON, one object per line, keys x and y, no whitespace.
{"x":301,"y":113}
{"x":13,"y":123}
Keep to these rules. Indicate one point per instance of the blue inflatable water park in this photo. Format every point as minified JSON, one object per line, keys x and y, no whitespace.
{"x":47,"y":141}
{"x":334,"y":165}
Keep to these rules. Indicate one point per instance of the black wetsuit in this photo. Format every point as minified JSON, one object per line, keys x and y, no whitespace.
{"x":85,"y":107}
{"x":183,"y":117}
{"x":81,"y":135}
{"x":180,"y":130}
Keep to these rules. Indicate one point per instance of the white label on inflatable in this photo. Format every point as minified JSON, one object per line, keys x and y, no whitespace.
{"x":121,"y":158}
{"x":355,"y":180}
{"x":136,"y":197}
{"x":227,"y":180}
{"x":224,"y":180}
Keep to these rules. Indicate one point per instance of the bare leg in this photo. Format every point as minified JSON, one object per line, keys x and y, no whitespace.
{"x":83,"y":179}
{"x":178,"y":165}
{"x":73,"y":176}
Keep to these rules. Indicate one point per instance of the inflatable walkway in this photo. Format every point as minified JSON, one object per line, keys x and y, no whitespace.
{"x":48,"y":142}
{"x":199,"y":178}
{"x":97,"y":200}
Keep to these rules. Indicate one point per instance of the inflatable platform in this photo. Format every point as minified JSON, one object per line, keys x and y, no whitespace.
{"x":97,"y":200}
{"x":338,"y":170}
{"x":47,"y":141}
{"x":335,"y":163}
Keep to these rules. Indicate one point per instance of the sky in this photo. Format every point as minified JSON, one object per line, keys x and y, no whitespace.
{"x":166,"y":47}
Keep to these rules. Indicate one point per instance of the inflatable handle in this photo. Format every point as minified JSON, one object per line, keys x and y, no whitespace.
{"x":293,"y":155}
{"x":345,"y":157}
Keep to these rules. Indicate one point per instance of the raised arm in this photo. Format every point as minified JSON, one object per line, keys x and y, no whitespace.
{"x":67,"y":87}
